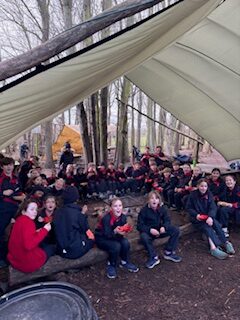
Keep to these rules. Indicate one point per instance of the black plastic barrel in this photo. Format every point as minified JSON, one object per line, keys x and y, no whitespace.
{"x":47,"y":301}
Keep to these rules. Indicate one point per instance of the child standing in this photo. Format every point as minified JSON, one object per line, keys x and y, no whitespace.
{"x":111,"y":238}
{"x":154,"y":222}
{"x":25,"y":253}
{"x":202,"y":209}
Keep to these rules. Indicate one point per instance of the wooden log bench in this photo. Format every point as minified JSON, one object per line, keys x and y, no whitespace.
{"x":58,"y":264}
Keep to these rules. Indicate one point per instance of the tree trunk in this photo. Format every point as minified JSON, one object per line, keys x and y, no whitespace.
{"x":43,"y":6}
{"x":48,"y":143}
{"x":84,"y":133}
{"x":103,"y":126}
{"x":122,"y":147}
{"x":94,"y":127}
{"x":139,"y":120}
{"x":132,"y":124}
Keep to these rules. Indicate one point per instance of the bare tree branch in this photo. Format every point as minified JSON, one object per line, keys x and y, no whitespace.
{"x":72,"y":36}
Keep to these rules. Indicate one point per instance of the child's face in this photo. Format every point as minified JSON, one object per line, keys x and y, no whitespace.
{"x":137,"y":166}
{"x":59,"y":184}
{"x":166,"y":174}
{"x":186,"y":169}
{"x":31,"y":210}
{"x":203,"y":187}
{"x":111,"y":166}
{"x":50,"y":204}
{"x":34,"y":173}
{"x":153,"y":167}
{"x":196,"y":171}
{"x":38,"y":181}
{"x":176,"y":167}
{"x":117,"y":208}
{"x":8,"y":168}
{"x":215,"y":175}
{"x":154,"y":202}
{"x":230,"y":182}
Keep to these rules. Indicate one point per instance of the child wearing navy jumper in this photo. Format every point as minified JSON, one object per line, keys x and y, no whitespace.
{"x":229,"y":204}
{"x":202,"y":210}
{"x":74,"y":238}
{"x":154,"y":222}
{"x":110,"y":236}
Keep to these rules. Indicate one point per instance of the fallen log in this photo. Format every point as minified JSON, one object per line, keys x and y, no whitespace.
{"x":57,"y":264}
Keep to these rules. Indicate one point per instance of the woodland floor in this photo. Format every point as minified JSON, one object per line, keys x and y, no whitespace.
{"x":199,"y":288}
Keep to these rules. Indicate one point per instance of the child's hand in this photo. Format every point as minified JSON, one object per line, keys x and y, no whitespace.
{"x":198,"y":217}
{"x":48,"y":226}
{"x":8,"y":192}
{"x":118,"y":231}
{"x":162,"y":230}
{"x":154,"y":232}
{"x":90,"y":235}
{"x":223,"y":204}
{"x":209,"y":221}
{"x":40,"y":219}
{"x":84,"y":209}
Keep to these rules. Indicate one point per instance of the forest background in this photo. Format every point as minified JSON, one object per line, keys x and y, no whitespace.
{"x":121,"y":105}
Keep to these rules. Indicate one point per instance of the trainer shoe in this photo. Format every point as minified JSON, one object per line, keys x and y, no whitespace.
{"x":229,"y":248}
{"x":226,"y":233}
{"x":172,"y":257}
{"x":152,"y":262}
{"x":218,"y":253}
{"x":129,"y":266}
{"x":111,"y":272}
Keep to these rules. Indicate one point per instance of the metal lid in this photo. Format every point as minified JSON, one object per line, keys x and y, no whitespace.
{"x":47,"y":301}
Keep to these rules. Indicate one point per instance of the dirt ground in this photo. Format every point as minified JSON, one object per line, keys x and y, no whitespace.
{"x":199,"y":288}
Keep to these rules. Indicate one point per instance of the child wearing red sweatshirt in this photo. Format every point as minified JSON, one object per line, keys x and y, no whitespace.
{"x":25,"y":253}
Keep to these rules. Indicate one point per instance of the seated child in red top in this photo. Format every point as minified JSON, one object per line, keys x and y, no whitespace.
{"x":24,"y":252}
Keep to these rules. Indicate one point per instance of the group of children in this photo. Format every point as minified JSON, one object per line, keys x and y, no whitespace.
{"x":43,"y":228}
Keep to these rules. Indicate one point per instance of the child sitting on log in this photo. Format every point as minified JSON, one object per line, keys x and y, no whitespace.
{"x":110,"y":237}
{"x":154,"y":222}
{"x":202,"y":209}
{"x":74,"y":238}
{"x":25,"y":253}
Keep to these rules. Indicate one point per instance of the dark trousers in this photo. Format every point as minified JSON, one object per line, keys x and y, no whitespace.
{"x":147,"y":240}
{"x":50,"y":249}
{"x":93,"y":187}
{"x":122,"y":186}
{"x":226,"y":213}
{"x":7,"y":212}
{"x":214,"y":232}
{"x":102,"y":186}
{"x":114,"y":248}
{"x":137,"y":185}
{"x":170,"y":197}
{"x":178,"y":199}
{"x":112,"y":186}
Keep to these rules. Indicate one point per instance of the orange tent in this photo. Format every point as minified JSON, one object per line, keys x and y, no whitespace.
{"x":71,"y":134}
